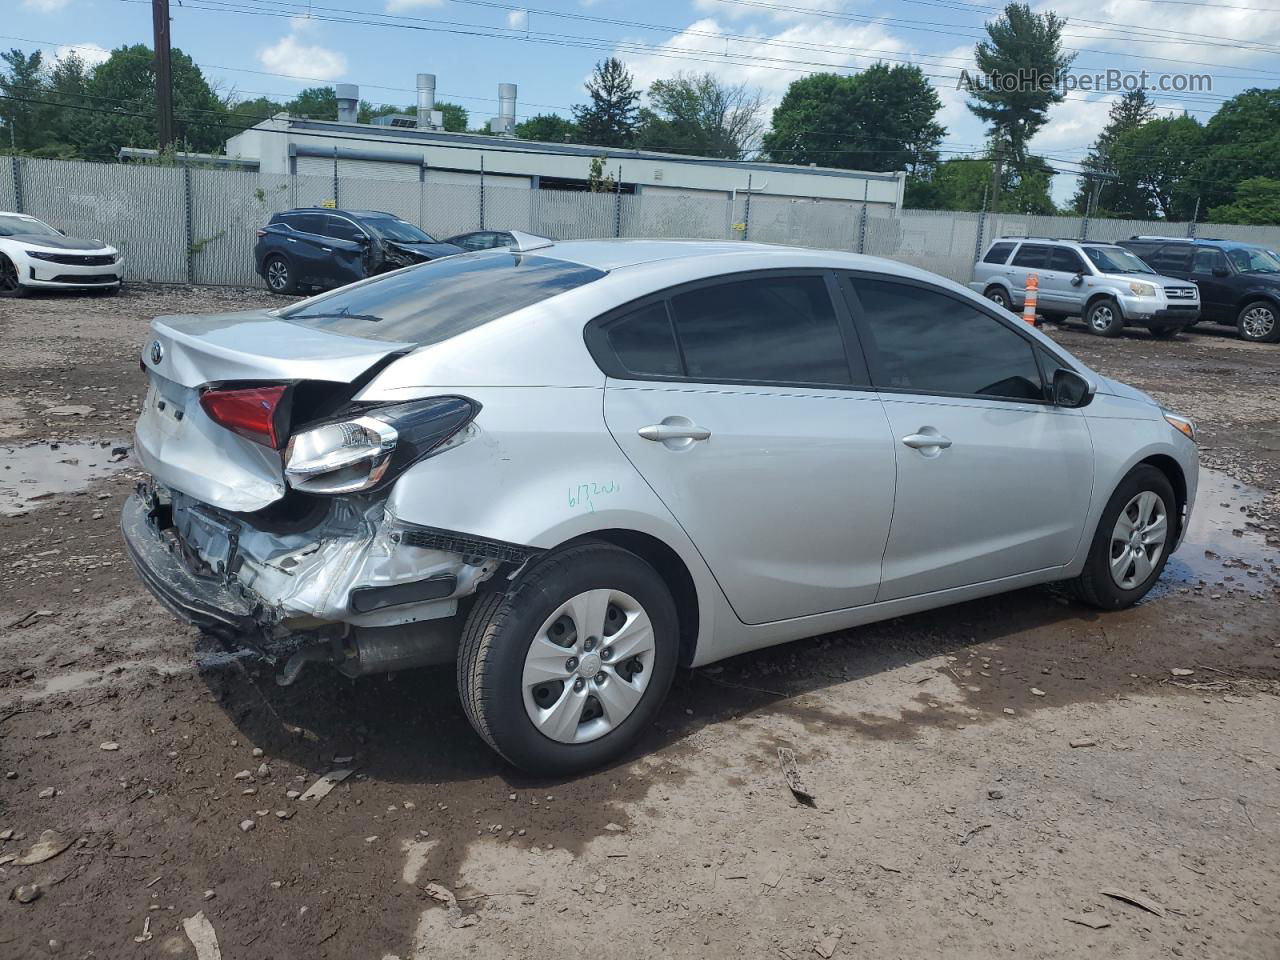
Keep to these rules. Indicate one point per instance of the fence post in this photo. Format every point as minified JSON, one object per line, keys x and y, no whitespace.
{"x":17,"y":184}
{"x":862,"y":229}
{"x":1084,"y":228}
{"x":191,"y":240}
{"x":617,"y":204}
{"x":1191,"y":228}
{"x":336,"y":198}
{"x":481,"y":192}
{"x":982,"y":229}
{"x":746,"y":213}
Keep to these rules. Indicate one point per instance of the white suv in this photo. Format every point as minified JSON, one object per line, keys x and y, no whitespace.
{"x":1103,"y":283}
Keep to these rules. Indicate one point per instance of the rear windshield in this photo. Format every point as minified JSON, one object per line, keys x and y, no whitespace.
{"x":434,"y":301}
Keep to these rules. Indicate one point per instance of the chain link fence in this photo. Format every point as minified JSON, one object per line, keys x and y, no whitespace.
{"x":198,"y":225}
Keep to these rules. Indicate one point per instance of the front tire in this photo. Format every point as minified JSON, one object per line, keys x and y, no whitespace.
{"x":1103,"y":318}
{"x":1131,"y":545}
{"x":565,"y":670}
{"x":1258,"y":322}
{"x":279,"y":275}
{"x":997,"y":296}
{"x":10,"y":286}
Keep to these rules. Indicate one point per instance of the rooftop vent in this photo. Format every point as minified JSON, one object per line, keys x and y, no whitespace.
{"x":429,"y":118}
{"x":348,"y":95}
{"x":504,"y":124}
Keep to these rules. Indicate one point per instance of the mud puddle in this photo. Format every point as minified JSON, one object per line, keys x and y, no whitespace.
{"x":33,"y":473}
{"x":1223,"y":546}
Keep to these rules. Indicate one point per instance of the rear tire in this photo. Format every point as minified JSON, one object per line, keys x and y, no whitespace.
{"x":1103,"y":318}
{"x":555,"y":711}
{"x":1125,"y":559}
{"x":9,"y":284}
{"x":1259,"y":322}
{"x":1166,"y":333}
{"x":279,"y":275}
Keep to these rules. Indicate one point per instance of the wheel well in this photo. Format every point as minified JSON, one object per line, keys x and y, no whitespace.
{"x":673,"y":572}
{"x":1254,"y":298}
{"x":1173,"y":473}
{"x":994,"y":285}
{"x":1095,"y":298}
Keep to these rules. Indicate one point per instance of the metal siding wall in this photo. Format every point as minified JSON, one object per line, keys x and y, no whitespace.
{"x":508,"y":208}
{"x":940,"y":241}
{"x":227,"y":208}
{"x":141,"y":210}
{"x":400,"y":197}
{"x":8,"y":201}
{"x":654,"y":213}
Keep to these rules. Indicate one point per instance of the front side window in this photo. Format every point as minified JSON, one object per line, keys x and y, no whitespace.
{"x":925,"y":341}
{"x":340,"y":228}
{"x":998,"y":253}
{"x":1031,"y":255}
{"x":1206,"y":259}
{"x":432,"y":302}
{"x":771,"y":329}
{"x":1066,"y":260}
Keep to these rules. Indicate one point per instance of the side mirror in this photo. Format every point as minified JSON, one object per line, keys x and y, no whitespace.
{"x":1070,"y":389}
{"x":61,"y":231}
{"x":1077,"y":279}
{"x":1221,"y":272}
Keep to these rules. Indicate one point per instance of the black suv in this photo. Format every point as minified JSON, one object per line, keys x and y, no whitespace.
{"x":1239,"y":282}
{"x":321,"y":248}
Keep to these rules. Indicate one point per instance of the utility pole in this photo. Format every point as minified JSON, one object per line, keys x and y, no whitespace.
{"x":164,"y":72}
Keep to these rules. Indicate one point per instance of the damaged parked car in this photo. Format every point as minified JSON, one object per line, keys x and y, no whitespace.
{"x":570,"y":468}
{"x":319,"y":248}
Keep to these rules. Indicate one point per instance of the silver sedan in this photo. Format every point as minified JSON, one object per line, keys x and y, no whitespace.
{"x":570,"y":468}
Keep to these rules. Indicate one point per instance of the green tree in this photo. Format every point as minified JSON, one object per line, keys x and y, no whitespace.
{"x":548,"y":128}
{"x":455,"y":117}
{"x":245,"y":113}
{"x":1257,"y":202}
{"x":1241,"y":142}
{"x":883,"y":118}
{"x":695,"y":113}
{"x":964,"y":183}
{"x":1019,"y":65}
{"x":1115,"y":197}
{"x":609,"y":120}
{"x":23,"y":80}
{"x":314,"y":103}
{"x":1160,"y":157}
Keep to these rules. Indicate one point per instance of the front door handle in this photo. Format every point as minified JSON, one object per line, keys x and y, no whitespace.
{"x":672,"y":431}
{"x":924,"y":441}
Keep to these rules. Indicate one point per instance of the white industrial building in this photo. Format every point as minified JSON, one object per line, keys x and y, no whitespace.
{"x":414,"y":148}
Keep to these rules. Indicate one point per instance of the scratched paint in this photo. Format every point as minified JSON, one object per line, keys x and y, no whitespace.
{"x":585,"y":494}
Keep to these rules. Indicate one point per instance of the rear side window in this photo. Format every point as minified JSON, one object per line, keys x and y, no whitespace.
{"x":645,"y":344}
{"x":1066,"y":259}
{"x":1172,"y":256}
{"x":772,"y":329}
{"x":924,"y":341}
{"x":1031,"y":255}
{"x":305,"y":222}
{"x":434,"y":301}
{"x":998,"y":253}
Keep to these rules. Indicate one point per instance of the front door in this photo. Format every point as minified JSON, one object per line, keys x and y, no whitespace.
{"x":740,"y":406}
{"x":1062,"y":285}
{"x":992,"y":480}
{"x":1216,"y":301}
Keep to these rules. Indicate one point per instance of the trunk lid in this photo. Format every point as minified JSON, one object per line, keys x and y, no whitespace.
{"x":184,"y":449}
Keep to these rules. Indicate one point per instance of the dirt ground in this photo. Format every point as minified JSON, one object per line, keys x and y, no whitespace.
{"x":981,"y":774}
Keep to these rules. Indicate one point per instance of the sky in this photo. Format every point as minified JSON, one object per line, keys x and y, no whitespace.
{"x":275,"y":47}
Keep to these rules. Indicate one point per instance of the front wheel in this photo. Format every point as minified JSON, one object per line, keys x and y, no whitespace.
{"x":1134,"y":536}
{"x":9,"y":284}
{"x":565,"y":670}
{"x":1258,"y":322}
{"x":997,"y":296}
{"x":1104,"y":318}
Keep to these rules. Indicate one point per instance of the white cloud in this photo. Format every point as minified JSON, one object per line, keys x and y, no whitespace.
{"x":518,"y":19}
{"x":289,"y":56}
{"x":400,"y":6}
{"x":44,"y":6}
{"x":91,"y":54}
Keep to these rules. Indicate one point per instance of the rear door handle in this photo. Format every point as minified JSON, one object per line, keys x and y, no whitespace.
{"x":670,"y":431}
{"x":923,"y":441}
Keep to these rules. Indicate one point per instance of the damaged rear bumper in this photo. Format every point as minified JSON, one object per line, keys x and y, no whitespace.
{"x":206,"y":602}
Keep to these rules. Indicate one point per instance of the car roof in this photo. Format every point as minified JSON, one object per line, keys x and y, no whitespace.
{"x":340,"y":212}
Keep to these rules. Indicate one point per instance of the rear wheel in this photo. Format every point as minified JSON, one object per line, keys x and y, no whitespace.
{"x":1134,"y":536}
{"x":1166,"y":333}
{"x":1104,"y":318}
{"x":1258,"y":322}
{"x":9,"y":285}
{"x":565,"y":670}
{"x":279,"y":275}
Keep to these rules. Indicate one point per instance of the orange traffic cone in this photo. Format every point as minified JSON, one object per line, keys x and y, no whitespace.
{"x":1029,"y":304}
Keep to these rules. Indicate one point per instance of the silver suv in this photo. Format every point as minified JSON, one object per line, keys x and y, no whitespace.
{"x":1103,"y":283}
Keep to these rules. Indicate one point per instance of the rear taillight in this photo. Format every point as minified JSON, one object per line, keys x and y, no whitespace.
{"x":362,"y":452}
{"x":255,"y":413}
{"x":261,"y":233}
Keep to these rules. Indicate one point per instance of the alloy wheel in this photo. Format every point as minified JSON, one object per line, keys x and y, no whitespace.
{"x":1101,"y":318}
{"x":588,"y":666}
{"x":8,"y":275}
{"x":1258,"y":323}
{"x":1138,"y":539}
{"x":277,"y":275}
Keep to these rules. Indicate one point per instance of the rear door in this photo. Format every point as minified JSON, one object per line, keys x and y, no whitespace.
{"x":305,"y":245}
{"x":992,"y":481}
{"x":1030,"y":258}
{"x":744,"y":404}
